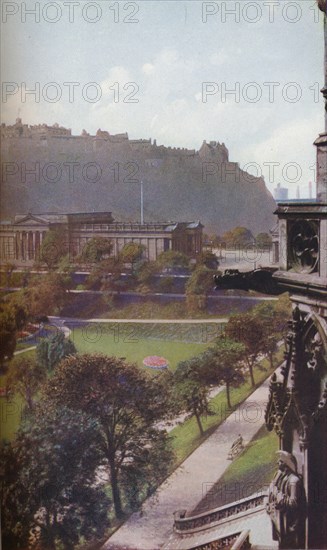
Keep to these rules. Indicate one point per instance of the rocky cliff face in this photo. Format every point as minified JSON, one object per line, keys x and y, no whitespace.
{"x":47,"y":169}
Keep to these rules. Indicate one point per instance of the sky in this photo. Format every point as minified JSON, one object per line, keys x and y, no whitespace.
{"x":246,"y":73}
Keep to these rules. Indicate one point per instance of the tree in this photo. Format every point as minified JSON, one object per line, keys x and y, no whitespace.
{"x":50,"y":351}
{"x":147,"y":470}
{"x":223,"y":364}
{"x":13,"y":316}
{"x":26,"y":378}
{"x":239,"y":236}
{"x":197,"y":288}
{"x":190,"y":391}
{"x":269,"y":319}
{"x":53,"y":248}
{"x":171,"y":259}
{"x":122,"y":400}
{"x":131,"y":253}
{"x":95,"y":249}
{"x":18,"y":307}
{"x":9,"y":268}
{"x":46,"y":295}
{"x":247,"y":329}
{"x":263,"y":240}
{"x":282,"y":312}
{"x":106,"y":275}
{"x":273,"y":317}
{"x":208,"y":260}
{"x":8,"y":329}
{"x":49,"y":491}
{"x":66,"y":271}
{"x":146,"y":274}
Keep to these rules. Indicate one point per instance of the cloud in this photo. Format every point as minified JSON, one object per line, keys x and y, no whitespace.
{"x":296,"y":165}
{"x":169,"y":56}
{"x":147,"y":68}
{"x":219,"y":58}
{"x":116,"y":74}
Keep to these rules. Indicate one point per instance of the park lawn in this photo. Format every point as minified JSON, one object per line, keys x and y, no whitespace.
{"x":133,"y":347}
{"x":131,"y":341}
{"x":249,"y":473}
{"x":186,"y":437}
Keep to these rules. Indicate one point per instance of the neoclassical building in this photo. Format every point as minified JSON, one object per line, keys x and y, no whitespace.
{"x":21,"y":239}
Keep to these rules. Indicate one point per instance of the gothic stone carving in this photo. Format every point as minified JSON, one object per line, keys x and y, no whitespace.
{"x":290,"y":403}
{"x":286,"y":503}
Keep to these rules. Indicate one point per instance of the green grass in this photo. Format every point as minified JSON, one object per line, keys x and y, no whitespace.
{"x":251,"y":472}
{"x":135,"y":342}
{"x":174,"y":342}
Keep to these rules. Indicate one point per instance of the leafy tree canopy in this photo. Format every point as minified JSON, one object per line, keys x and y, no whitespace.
{"x":95,"y":249}
{"x":8,"y":327}
{"x":131,"y":252}
{"x":26,"y":378}
{"x":172,"y":258}
{"x":46,"y":296}
{"x":239,"y":236}
{"x":123,"y":400}
{"x":106,"y":275}
{"x":53,"y":248}
{"x":191,"y":391}
{"x":209,"y":260}
{"x":249,"y":330}
{"x":223,"y":364}
{"x":49,"y":492}
{"x":263,"y":240}
{"x":200,"y":282}
{"x":50,"y":351}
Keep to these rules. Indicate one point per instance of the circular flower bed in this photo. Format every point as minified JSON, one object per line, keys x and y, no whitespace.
{"x":155,"y":362}
{"x":28,"y":331}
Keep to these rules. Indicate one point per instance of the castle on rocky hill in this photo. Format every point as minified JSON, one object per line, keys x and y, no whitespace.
{"x":211,"y":150}
{"x":46,"y":168}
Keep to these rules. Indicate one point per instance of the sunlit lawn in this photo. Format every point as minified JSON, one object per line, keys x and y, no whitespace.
{"x":249,"y":473}
{"x":254,"y":468}
{"x":133,"y":344}
{"x":134,"y":347}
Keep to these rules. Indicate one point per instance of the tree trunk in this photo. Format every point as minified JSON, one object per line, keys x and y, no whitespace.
{"x":229,"y":405}
{"x":29,"y":399}
{"x":197,"y":416}
{"x":250,"y":365}
{"x":115,"y":488}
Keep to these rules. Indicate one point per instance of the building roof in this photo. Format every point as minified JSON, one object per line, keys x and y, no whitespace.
{"x":57,"y":217}
{"x":106,"y":218}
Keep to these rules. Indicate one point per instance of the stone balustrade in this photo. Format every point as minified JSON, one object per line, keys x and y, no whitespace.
{"x":184,"y":525}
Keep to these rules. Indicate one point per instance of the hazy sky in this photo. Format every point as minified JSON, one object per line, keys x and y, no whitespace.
{"x":162,"y":69}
